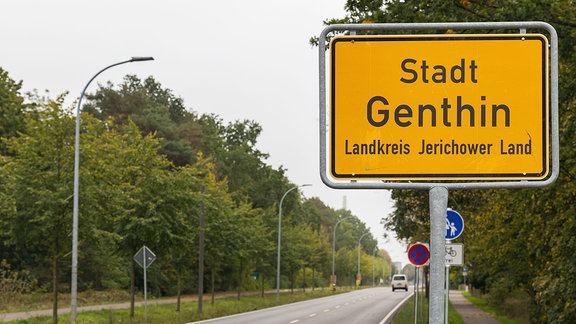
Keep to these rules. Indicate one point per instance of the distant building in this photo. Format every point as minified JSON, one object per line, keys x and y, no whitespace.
{"x":398,"y":266}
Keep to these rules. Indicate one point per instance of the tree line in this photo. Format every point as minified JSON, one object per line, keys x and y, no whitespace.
{"x":149,"y":168}
{"x":518,"y":243}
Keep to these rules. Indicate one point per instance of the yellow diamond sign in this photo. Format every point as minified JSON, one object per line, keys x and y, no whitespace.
{"x":457,"y":107}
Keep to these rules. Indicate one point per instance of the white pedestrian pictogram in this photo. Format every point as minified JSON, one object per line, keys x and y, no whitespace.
{"x":454,"y":224}
{"x":451,"y":227}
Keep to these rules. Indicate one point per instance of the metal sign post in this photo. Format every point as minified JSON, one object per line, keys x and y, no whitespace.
{"x":201,"y":234}
{"x":380,"y":139}
{"x":454,"y":228}
{"x":416,"y":293}
{"x":145,"y":285}
{"x":438,"y":206}
{"x":447,"y":301}
{"x":465,"y":274}
{"x":144,"y":257}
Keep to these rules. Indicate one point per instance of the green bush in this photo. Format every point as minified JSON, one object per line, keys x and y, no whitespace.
{"x":511,"y":300}
{"x":13,"y":284}
{"x":517,"y":304}
{"x":498,"y":291}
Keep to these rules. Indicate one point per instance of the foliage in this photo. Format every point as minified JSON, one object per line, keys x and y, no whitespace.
{"x":13,"y":284}
{"x":155,"y":110}
{"x":12,"y":108}
{"x":183,"y":134}
{"x":38,"y":172}
{"x":135,"y":191}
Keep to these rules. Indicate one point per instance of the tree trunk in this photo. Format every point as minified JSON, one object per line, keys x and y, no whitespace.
{"x":313,"y":281}
{"x":239,"y":279}
{"x":426,"y":281}
{"x":179,"y":291}
{"x":132,"y":288}
{"x":304,"y":278}
{"x":213,"y":271}
{"x":54,"y":289}
{"x":292,"y":278}
{"x":262,"y":284}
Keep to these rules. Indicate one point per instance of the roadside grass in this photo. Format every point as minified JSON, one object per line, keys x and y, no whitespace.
{"x":166,"y":313}
{"x":406,"y":314}
{"x":40,"y":301}
{"x":483,"y":305}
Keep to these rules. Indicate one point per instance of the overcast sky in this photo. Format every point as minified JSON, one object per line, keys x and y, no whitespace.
{"x":240,"y":60}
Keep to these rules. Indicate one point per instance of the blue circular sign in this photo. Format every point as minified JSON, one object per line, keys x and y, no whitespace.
{"x":454,"y":224}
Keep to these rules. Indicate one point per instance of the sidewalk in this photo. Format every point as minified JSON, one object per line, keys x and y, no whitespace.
{"x":469,"y":312}
{"x":6,"y":317}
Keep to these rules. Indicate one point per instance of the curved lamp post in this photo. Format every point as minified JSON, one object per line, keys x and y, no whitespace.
{"x":374,"y":257}
{"x":360,"y":239}
{"x":280,"y":239}
{"x":74,"y":286}
{"x":334,"y":248}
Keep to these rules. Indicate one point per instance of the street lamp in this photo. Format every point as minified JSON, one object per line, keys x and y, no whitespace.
{"x":74,"y":286}
{"x":280,"y":239}
{"x":334,"y":248}
{"x":374,"y":257}
{"x":360,"y":239}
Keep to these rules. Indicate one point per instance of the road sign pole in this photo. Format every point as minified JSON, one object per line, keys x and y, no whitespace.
{"x":145,"y":261}
{"x":201,"y":234}
{"x":416,"y":292}
{"x":438,"y":207}
{"x":144,"y":257}
{"x":447,"y":301}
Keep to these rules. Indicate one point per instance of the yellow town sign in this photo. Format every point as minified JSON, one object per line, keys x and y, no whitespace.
{"x":439,"y":107}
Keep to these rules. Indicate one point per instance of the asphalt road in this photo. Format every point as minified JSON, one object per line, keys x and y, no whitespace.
{"x":362,"y":307}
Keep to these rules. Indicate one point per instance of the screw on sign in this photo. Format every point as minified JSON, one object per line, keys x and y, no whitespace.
{"x":418,"y":254}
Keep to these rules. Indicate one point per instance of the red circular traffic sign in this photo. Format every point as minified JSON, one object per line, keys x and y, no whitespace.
{"x":418,"y":254}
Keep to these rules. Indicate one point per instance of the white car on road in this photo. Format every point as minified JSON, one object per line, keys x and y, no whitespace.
{"x":399,"y":282}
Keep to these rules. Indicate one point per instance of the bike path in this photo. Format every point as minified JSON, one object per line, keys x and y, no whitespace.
{"x":469,"y":312}
{"x":7,"y":317}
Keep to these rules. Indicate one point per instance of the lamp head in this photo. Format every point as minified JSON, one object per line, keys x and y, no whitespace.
{"x":141,"y":58}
